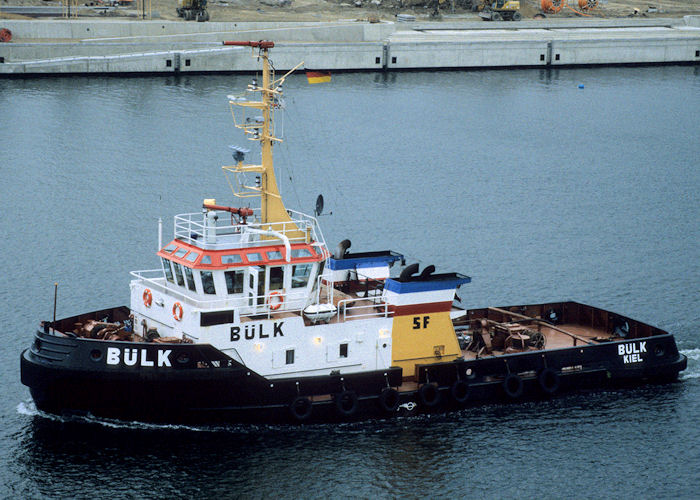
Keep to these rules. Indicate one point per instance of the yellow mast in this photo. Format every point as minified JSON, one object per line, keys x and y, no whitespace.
{"x":274,"y":215}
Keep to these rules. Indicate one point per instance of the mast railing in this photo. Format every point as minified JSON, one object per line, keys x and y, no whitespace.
{"x":195,"y":228}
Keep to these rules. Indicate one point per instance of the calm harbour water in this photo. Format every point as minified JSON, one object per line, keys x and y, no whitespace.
{"x":537,"y":189}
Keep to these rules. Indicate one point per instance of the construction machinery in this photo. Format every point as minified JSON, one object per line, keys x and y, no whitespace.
{"x":192,"y":9}
{"x":500,"y":10}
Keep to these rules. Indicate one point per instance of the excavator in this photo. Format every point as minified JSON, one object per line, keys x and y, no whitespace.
{"x":192,"y":9}
{"x":500,"y":10}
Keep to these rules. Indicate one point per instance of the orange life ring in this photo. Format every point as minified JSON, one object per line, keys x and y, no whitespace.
{"x":177,"y":311}
{"x":275,"y":305}
{"x":147,"y":298}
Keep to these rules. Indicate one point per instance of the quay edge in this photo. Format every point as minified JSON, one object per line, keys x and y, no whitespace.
{"x":54,"y":47}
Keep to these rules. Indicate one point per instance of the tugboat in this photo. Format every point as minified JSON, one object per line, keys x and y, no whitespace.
{"x":251,"y":318}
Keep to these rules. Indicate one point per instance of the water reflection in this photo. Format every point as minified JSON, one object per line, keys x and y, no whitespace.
{"x":467,"y":448}
{"x":385,"y":78}
{"x":547,"y":75}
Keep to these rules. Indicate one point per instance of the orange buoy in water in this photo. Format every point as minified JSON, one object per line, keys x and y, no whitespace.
{"x":5,"y":35}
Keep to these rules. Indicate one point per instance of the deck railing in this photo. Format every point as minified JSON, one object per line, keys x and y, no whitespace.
{"x":248,"y":304}
{"x":214,"y":234}
{"x":348,"y":309}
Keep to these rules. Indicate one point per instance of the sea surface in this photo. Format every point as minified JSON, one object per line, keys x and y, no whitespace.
{"x":535,"y":187}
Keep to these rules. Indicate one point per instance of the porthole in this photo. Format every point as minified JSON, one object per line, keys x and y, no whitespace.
{"x":96,"y":355}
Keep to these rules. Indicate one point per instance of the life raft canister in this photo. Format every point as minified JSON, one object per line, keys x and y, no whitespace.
{"x":147,"y":298}
{"x":177,"y":311}
{"x":275,"y":300}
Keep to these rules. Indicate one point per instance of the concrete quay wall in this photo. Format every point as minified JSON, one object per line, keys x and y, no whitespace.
{"x":325,"y":46}
{"x":205,"y":59}
{"x":462,"y":54}
{"x":544,"y":47}
{"x":173,"y":31}
{"x":637,"y":51}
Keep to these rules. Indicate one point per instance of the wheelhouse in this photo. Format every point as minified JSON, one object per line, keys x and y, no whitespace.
{"x":252,"y":275}
{"x":216,"y":272}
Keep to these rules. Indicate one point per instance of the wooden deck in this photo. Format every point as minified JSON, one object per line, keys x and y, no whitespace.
{"x":554,"y":339}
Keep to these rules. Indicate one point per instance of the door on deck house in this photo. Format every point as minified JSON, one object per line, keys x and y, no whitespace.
{"x":255,"y":288}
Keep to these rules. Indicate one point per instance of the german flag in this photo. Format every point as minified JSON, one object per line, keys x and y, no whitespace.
{"x":318,"y":76}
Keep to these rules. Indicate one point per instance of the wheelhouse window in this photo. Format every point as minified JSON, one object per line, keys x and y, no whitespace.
{"x":300,"y":275}
{"x":206,"y":260}
{"x":208,"y":282}
{"x":234,"y":281}
{"x":178,"y":274}
{"x":192,"y":256}
{"x":276,"y":278}
{"x":190,"y":279}
{"x":231,"y":259}
{"x":301,"y":252}
{"x":254,"y":257}
{"x":274,"y":255}
{"x":170,"y":248}
{"x":180,"y":252}
{"x":168,"y":270}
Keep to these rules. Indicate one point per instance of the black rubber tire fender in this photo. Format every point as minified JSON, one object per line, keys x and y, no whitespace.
{"x":346,"y":403}
{"x":460,"y":391}
{"x":513,"y":386}
{"x":429,"y":395}
{"x":548,"y":380}
{"x":95,"y":330}
{"x":389,"y":400}
{"x":301,"y":408}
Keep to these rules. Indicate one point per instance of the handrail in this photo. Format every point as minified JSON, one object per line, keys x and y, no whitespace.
{"x":243,"y":302}
{"x":270,"y":232}
{"x":218,"y":303}
{"x":343,"y":308}
{"x":163,"y":288}
{"x":194,"y":226}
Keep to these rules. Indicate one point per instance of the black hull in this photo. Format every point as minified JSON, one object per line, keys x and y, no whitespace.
{"x":69,"y":376}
